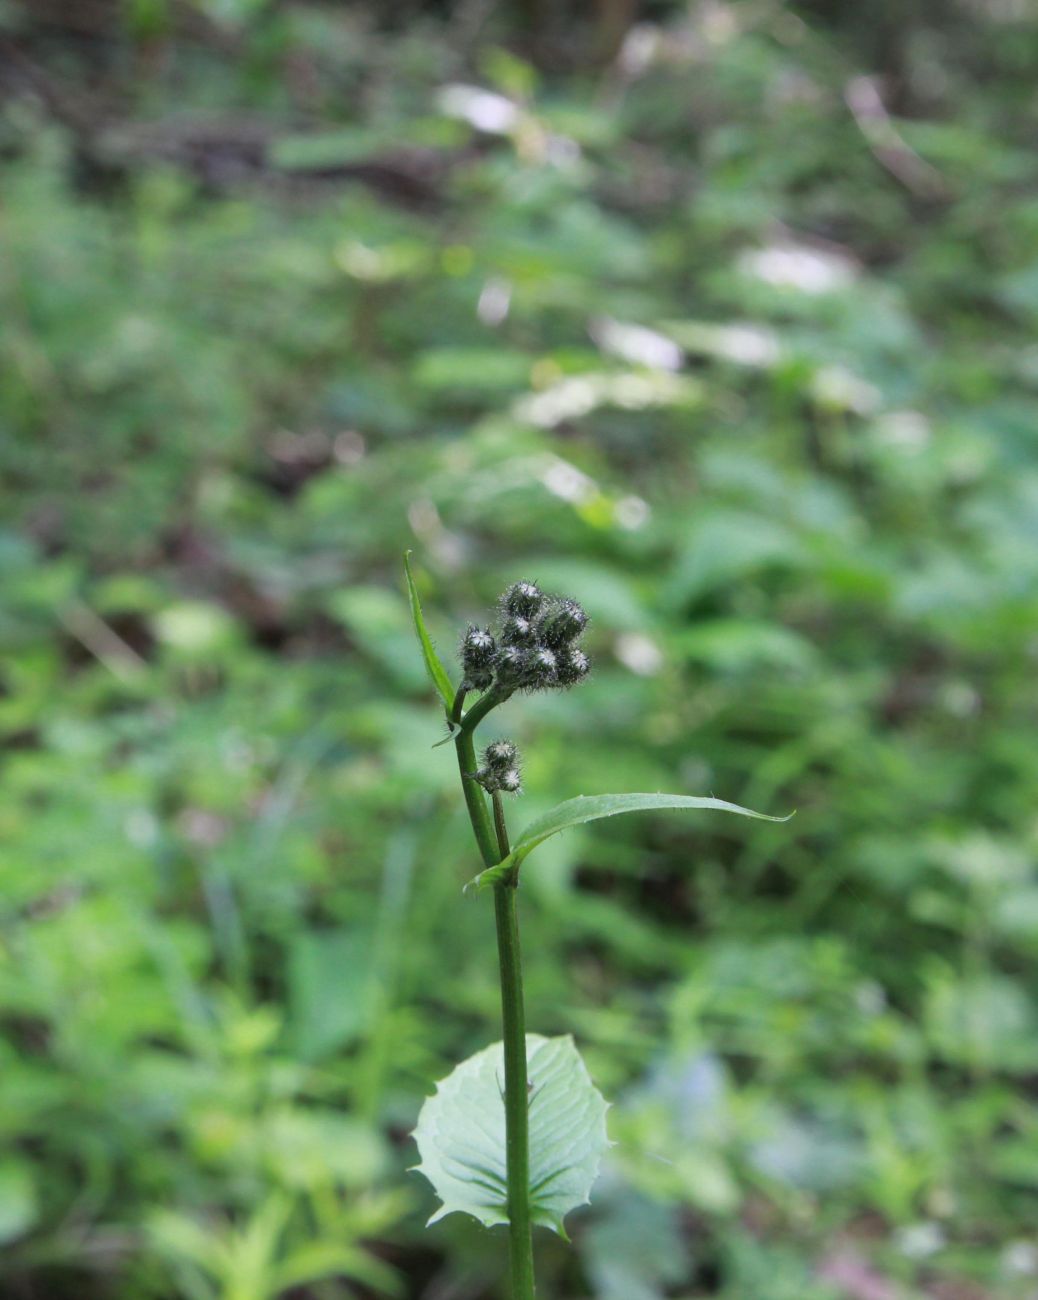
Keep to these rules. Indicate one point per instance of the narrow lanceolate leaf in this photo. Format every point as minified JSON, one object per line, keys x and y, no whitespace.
{"x":589,"y":808}
{"x":461,"y":1134}
{"x":432,"y":660}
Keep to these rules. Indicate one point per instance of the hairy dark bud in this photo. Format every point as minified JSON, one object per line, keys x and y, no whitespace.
{"x":563,"y":624}
{"x":477,"y":657}
{"x":477,"y":647}
{"x":541,"y":669}
{"x":510,"y":781}
{"x":517,"y":630}
{"x":523,"y":599}
{"x":507,"y":779}
{"x":501,"y":755}
{"x":573,"y":666}
{"x":511,"y":665}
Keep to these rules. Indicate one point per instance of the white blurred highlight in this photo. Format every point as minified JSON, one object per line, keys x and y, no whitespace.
{"x":798,"y":266}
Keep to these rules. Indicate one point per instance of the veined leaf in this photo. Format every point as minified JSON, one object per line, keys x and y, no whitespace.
{"x":589,"y":808}
{"x":461,"y":1134}
{"x":432,"y":660}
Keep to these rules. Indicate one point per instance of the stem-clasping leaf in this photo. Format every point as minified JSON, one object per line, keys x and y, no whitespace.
{"x":461,"y":1134}
{"x":589,"y":808}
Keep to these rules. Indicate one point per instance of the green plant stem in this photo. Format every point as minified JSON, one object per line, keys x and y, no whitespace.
{"x":475,"y":800}
{"x":517,"y":1113}
{"x":517,"y":1117}
{"x":500,"y":829}
{"x":479,"y":711}
{"x":459,"y":700}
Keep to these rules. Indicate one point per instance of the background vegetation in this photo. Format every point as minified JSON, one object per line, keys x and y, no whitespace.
{"x":720,"y":316}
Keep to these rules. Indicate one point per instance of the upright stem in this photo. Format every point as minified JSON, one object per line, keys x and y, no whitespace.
{"x":517,"y":1112}
{"x":500,"y":828}
{"x":459,"y":700}
{"x":475,"y":800}
{"x":492,"y":839}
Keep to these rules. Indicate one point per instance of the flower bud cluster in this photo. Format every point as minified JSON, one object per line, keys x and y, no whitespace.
{"x":500,"y":770}
{"x":536,"y":645}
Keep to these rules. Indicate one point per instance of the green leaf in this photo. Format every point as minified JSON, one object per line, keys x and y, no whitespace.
{"x":330,"y":990}
{"x":323,"y":149}
{"x":589,"y":808}
{"x":461,"y":1134}
{"x":432,"y":660}
{"x":18,"y":1201}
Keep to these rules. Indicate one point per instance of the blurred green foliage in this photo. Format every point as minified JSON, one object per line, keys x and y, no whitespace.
{"x":732,"y":337}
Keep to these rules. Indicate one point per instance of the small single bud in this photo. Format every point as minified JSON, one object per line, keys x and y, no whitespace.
{"x":541,"y":669}
{"x":477,"y":657}
{"x":517,"y":630}
{"x":563,"y":624}
{"x":523,"y":599}
{"x":573,"y":666}
{"x":501,"y":755}
{"x":477,"y":648}
{"x":510,"y":663}
{"x":510,"y":781}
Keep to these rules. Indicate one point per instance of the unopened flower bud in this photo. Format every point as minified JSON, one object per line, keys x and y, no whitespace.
{"x":517,"y":630}
{"x":510,"y":664}
{"x":500,"y":755}
{"x":563,"y":624}
{"x":523,"y":599}
{"x":541,"y":668}
{"x":573,"y":666}
{"x":477,"y":657}
{"x":510,"y":781}
{"x":494,"y":779}
{"x":477,"y":646}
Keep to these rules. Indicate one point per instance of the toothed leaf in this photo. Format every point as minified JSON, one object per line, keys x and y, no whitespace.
{"x":461,"y":1134}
